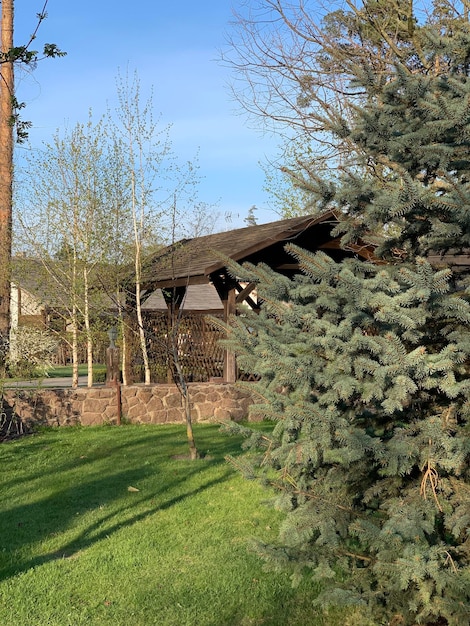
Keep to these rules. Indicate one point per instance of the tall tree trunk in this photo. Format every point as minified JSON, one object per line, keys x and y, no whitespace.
{"x":138,"y":230}
{"x":74,"y":322}
{"x":6,"y":176}
{"x":140,"y":320}
{"x":89,"y":339}
{"x":180,"y":381}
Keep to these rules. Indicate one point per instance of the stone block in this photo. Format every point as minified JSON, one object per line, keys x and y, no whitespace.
{"x":206,"y":410}
{"x":94,"y":405}
{"x":134,"y":412}
{"x":154,"y":404}
{"x":157,"y":417}
{"x":172,"y":400}
{"x":110,"y":412}
{"x":144,"y":395}
{"x":213,"y":396}
{"x":174,"y":416}
{"x":227,"y":403}
{"x":132,"y":401}
{"x":91,"y":419}
{"x":197,"y":396}
{"x":222,"y":414}
{"x":107,"y":393}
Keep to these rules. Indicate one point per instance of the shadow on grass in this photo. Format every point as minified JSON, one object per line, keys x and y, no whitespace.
{"x":47,"y":518}
{"x":86,"y":499}
{"x":23,"y":526}
{"x":213,"y":445}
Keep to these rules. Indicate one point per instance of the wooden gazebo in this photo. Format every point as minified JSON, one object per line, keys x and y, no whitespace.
{"x":198,"y":263}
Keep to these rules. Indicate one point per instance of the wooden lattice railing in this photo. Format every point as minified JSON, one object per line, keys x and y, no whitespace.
{"x":198,"y":347}
{"x":197,"y":344}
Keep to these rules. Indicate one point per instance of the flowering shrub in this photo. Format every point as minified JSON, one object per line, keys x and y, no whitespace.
{"x":31,"y":351}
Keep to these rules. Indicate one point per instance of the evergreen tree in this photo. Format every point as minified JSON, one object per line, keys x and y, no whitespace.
{"x":364,"y":367}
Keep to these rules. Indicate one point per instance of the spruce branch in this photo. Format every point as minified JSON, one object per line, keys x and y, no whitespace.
{"x":242,"y":466}
{"x":278,"y":486}
{"x":430,"y":477}
{"x":450,"y":560}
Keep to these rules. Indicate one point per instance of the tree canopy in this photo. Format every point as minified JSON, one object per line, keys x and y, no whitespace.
{"x":303,"y":69}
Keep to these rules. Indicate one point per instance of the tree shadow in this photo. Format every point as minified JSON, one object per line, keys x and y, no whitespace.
{"x":103,"y":491}
{"x":214,"y":450}
{"x":24,"y":525}
{"x":53,"y":519}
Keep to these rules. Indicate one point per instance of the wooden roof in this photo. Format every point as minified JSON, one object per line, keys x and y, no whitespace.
{"x":193,"y":261}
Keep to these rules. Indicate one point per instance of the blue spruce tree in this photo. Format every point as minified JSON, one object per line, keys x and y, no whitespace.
{"x":364,"y":367}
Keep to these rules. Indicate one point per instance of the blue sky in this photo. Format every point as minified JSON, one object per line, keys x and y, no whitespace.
{"x":174,"y":47}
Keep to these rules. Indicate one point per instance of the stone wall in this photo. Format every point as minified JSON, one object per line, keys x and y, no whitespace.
{"x":153,"y":404}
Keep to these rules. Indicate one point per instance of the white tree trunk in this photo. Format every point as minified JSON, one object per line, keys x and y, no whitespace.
{"x":143,"y":343}
{"x":138,"y":229}
{"x":89,"y":339}
{"x":74,"y":323}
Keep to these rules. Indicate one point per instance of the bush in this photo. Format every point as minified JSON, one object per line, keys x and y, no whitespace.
{"x":31,"y":352}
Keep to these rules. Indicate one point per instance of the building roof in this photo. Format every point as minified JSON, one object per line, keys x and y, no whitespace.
{"x":200,"y":262}
{"x":193,"y":261}
{"x":31,"y":274}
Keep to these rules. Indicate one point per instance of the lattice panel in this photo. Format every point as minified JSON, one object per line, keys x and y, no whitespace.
{"x":200,"y":355}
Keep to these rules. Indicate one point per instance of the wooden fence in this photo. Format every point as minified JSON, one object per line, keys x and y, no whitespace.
{"x":196,"y":342}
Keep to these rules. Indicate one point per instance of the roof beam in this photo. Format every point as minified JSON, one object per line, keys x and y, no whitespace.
{"x":177,"y":282}
{"x":245,"y":292}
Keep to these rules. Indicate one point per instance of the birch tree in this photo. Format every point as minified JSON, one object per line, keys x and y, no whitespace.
{"x":146,"y":166}
{"x":67,"y":206}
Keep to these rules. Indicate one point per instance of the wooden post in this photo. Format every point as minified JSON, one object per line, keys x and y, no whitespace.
{"x":113,"y":373}
{"x":119,"y":402}
{"x":230,"y":363}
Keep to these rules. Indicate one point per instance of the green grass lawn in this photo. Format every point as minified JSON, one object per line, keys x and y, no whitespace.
{"x":78,"y":546}
{"x":61,"y":371}
{"x":64,"y":371}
